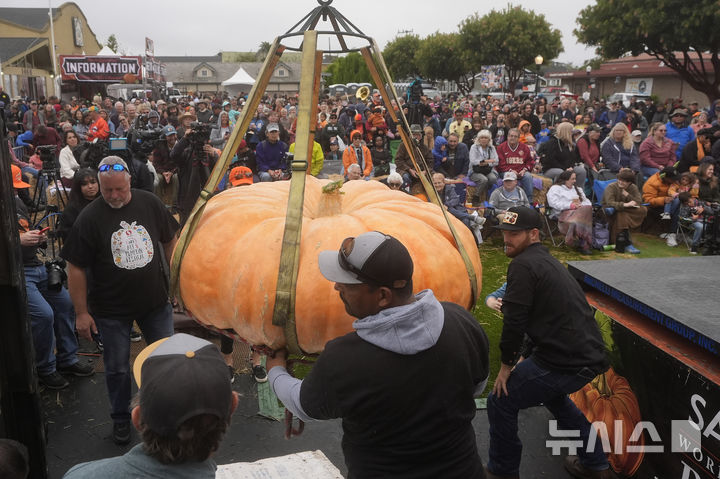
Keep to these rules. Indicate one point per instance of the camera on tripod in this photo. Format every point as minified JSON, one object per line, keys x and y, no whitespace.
{"x":143,"y":138}
{"x":200,"y":134}
{"x":47,"y":156}
{"x":56,"y":273}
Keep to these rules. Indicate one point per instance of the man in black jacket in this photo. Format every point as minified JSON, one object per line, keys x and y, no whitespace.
{"x":405,"y":346}
{"x":564,"y":350}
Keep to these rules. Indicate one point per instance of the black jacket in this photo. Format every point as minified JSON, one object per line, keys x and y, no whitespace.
{"x":556,"y":154}
{"x":544,"y":302}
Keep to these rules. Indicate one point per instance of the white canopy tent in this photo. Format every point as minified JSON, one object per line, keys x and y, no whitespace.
{"x":106,"y":52}
{"x":239,"y":82}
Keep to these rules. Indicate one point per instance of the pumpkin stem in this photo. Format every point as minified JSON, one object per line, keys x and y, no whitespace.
{"x":330,"y":203}
{"x":601,"y":385}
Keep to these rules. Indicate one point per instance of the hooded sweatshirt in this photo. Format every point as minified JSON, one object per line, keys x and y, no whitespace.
{"x":367,"y":377}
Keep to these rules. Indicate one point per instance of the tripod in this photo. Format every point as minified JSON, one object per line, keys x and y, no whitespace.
{"x":50,"y":173}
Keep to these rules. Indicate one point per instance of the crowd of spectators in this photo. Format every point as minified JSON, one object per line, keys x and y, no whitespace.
{"x":479,"y":154}
{"x":472,"y":141}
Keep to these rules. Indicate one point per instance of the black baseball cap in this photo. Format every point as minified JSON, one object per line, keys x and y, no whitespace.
{"x":181,"y":377}
{"x":370,"y":258}
{"x":520,"y":218}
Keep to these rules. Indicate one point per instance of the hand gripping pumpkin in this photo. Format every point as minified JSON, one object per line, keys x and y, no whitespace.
{"x":609,"y":398}
{"x":228,"y":275}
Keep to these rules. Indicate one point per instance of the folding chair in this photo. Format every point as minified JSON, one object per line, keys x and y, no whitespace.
{"x":685,"y":231}
{"x":599,"y":190}
{"x":549,"y":218}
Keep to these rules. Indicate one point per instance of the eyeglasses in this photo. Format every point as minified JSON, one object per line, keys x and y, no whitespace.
{"x":115,"y":167}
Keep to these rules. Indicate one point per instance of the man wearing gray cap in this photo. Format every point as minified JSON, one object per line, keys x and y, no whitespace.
{"x":404,"y":381}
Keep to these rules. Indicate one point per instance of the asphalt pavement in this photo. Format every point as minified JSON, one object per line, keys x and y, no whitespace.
{"x":79,"y":427}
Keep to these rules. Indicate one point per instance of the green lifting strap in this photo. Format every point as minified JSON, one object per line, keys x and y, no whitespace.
{"x":284,"y":310}
{"x":373,"y":59}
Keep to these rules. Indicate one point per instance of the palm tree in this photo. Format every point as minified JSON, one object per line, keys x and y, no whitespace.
{"x":263,"y":50}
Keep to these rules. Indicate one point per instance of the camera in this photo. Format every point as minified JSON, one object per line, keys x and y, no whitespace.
{"x":200,"y":134}
{"x":47,"y":155}
{"x":56,"y":274}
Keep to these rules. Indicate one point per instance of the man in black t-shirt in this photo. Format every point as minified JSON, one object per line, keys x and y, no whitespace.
{"x":117,"y":276}
{"x":563,"y":352}
{"x":404,"y":346}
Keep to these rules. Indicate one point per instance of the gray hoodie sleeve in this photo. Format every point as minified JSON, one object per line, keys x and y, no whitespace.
{"x":287,"y":389}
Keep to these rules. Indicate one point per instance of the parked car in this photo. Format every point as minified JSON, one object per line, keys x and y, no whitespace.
{"x":625,"y":98}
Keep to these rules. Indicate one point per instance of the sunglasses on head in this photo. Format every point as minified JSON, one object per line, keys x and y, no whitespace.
{"x":346,"y":249}
{"x":115,"y":167}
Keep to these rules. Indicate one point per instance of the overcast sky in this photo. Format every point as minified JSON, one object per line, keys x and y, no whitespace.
{"x":192,"y":27}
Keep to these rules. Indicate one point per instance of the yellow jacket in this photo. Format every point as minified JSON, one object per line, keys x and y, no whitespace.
{"x":316,"y":162}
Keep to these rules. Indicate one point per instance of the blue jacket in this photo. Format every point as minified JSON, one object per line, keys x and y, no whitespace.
{"x":24,"y":139}
{"x":461,"y":163}
{"x":604,"y":120}
{"x":271,"y":156}
{"x":614,"y":156}
{"x":682,"y":136}
{"x":542,"y":136}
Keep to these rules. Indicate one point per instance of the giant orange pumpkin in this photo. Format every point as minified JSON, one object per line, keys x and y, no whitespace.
{"x":228,"y":275}
{"x":608,"y":398}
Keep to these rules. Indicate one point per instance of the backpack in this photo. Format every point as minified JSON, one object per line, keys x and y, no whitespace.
{"x":600,"y":235}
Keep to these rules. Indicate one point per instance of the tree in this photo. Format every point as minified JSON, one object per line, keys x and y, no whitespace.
{"x":399,"y":55}
{"x":512,"y":37}
{"x":263,"y":50}
{"x":682,"y":34}
{"x":439,"y":58}
{"x":349,"y":69}
{"x":112,"y":43}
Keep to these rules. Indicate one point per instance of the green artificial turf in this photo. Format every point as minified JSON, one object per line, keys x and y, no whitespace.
{"x":494,"y":264}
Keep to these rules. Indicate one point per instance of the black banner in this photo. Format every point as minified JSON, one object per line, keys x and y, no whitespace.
{"x":101,"y":69}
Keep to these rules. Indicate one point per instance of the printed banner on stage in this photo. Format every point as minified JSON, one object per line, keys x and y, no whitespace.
{"x":101,"y":69}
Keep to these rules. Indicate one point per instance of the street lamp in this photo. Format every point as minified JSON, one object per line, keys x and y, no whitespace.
{"x":538,"y":62}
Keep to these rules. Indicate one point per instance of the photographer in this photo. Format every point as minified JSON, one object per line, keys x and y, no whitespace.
{"x":194,"y":159}
{"x":51,"y":313}
{"x":47,"y":136}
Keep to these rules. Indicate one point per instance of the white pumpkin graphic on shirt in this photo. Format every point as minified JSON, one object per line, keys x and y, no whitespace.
{"x":131,"y":246}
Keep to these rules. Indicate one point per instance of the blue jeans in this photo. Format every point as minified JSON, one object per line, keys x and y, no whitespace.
{"x":673,"y":208}
{"x":531,"y":385}
{"x":648,"y":171}
{"x":697,"y":234}
{"x":115,"y":332}
{"x":265,"y":176}
{"x":53,"y":322}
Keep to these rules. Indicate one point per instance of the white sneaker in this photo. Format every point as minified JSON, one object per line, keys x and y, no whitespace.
{"x":663,"y":235}
{"x":671,"y":240}
{"x":477,"y":230}
{"x":665,"y":216}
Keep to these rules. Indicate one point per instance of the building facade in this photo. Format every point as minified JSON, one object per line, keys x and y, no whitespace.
{"x":641,"y":75}
{"x":205,"y":74}
{"x":26,"y":45}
